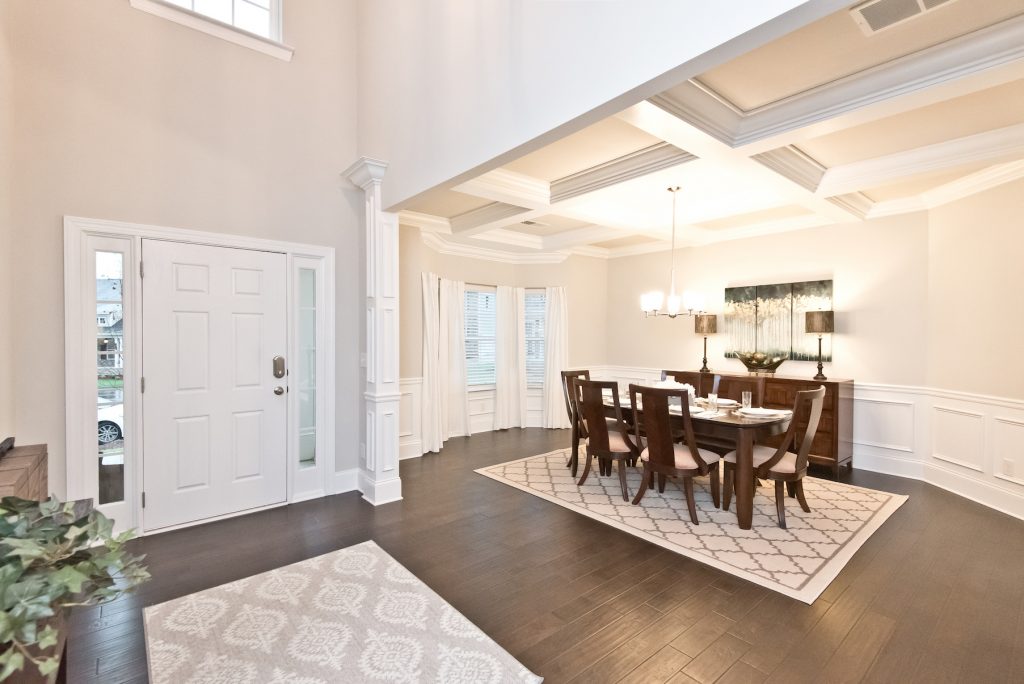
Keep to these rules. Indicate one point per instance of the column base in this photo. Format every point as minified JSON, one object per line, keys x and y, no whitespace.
{"x":380,"y":491}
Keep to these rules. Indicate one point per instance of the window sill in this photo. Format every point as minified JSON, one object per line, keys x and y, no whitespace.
{"x":219,"y":29}
{"x":480,"y":388}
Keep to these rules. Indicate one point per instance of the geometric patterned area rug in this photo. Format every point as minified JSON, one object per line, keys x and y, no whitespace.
{"x":352,"y":615}
{"x":799,"y":562}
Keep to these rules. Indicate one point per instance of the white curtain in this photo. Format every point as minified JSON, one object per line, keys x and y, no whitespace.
{"x":452,"y":359}
{"x":556,"y":356}
{"x":431,"y":427}
{"x":510,"y":359}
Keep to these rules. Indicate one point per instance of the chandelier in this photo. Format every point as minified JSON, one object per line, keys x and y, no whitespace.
{"x":675,"y":305}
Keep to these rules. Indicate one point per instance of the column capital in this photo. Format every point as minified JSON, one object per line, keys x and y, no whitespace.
{"x":365,"y":171}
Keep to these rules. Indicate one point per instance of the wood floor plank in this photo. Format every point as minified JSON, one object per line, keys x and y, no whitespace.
{"x":660,"y":667}
{"x":935,"y":594}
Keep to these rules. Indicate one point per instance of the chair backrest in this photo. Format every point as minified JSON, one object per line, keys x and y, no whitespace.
{"x":590,"y":402}
{"x":733,"y":387}
{"x":802,"y":428}
{"x":656,"y":421}
{"x":695,"y":378}
{"x":568,"y":394}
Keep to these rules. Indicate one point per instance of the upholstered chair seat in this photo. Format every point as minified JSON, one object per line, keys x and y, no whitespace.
{"x":683,"y":457}
{"x":615,"y":441}
{"x":761,"y":455}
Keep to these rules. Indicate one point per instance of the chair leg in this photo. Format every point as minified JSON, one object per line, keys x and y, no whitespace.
{"x":727,"y":486}
{"x":716,"y":489}
{"x":586,"y":468}
{"x":690,"y":503}
{"x":622,"y":479}
{"x":791,"y":489}
{"x":780,"y":502}
{"x":799,"y":489}
{"x":661,"y":483}
{"x":647,"y":477}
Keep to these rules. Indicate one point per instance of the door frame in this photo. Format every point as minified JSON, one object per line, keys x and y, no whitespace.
{"x":84,"y":235}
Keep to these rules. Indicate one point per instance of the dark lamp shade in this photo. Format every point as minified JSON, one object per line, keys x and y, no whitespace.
{"x":819,"y":322}
{"x":705,"y":324}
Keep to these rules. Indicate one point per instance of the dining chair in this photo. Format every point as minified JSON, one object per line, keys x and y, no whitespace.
{"x":664,"y":456}
{"x":607,"y":440}
{"x":733,"y":387}
{"x":781,"y":465}
{"x":574,"y":414}
{"x":698,"y":380}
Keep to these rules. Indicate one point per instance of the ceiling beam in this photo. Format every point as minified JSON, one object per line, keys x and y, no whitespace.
{"x":509,"y":187}
{"x":489,"y":217}
{"x":642,"y":162}
{"x":1002,"y":144}
{"x":966,"y":186}
{"x":586,"y":235}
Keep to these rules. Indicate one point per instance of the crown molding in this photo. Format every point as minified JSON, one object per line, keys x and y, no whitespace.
{"x":642,"y":162}
{"x":792,"y":163}
{"x":981,"y":50}
{"x":590,"y":251}
{"x":429,"y":222}
{"x":509,"y":187}
{"x":856,"y":203}
{"x":443,"y":246}
{"x":998,"y":145}
{"x":703,"y":108}
{"x":488,"y":217}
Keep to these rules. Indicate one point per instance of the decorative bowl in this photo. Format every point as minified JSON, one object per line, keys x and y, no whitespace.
{"x":759,"y":362}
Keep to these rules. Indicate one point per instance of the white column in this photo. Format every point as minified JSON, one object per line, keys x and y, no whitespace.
{"x":378,"y":465}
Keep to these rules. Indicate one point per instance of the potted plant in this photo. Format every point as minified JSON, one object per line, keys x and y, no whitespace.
{"x":54,"y":556}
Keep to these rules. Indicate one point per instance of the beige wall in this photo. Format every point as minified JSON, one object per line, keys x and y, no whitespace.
{"x":126,"y":116}
{"x":880,"y":275}
{"x":584,"y":278}
{"x":976,"y":318}
{"x":7,"y":403}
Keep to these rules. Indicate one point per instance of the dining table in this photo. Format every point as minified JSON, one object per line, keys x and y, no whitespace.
{"x":725,"y":426}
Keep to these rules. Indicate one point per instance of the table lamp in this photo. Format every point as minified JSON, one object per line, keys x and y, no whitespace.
{"x":819,"y":322}
{"x":705,"y":324}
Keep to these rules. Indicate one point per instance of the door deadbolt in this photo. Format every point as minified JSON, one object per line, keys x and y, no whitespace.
{"x":279,"y":370}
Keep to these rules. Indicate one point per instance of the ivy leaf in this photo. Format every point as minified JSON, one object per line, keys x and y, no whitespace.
{"x":47,"y":638}
{"x":14,"y":661}
{"x":70,"y":577}
{"x":48,"y":666}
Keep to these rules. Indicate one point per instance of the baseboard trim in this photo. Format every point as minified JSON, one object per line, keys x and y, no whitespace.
{"x":345,"y":481}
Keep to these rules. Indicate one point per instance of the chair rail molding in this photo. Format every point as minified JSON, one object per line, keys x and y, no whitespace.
{"x":378,"y":461}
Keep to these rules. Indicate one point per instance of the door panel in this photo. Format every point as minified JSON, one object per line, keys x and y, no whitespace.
{"x":215,"y":432}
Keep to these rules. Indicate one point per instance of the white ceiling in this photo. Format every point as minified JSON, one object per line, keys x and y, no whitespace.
{"x":824,"y":126}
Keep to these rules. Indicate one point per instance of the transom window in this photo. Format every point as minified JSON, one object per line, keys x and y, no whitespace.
{"x":261,"y":17}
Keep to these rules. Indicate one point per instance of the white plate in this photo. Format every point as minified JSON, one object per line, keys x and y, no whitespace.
{"x":722,"y":403}
{"x":762,"y":412}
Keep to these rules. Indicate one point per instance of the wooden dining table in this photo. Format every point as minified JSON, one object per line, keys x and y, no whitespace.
{"x":730,"y":427}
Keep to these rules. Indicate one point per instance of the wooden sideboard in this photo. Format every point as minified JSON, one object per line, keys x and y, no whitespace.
{"x":23,"y":473}
{"x":833,"y":443}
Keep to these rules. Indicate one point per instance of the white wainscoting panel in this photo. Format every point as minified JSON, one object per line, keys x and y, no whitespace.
{"x":1008,"y":449}
{"x":969,"y":444}
{"x":958,"y":437}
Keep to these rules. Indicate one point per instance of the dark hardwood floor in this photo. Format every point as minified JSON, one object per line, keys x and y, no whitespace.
{"x":936,"y":595}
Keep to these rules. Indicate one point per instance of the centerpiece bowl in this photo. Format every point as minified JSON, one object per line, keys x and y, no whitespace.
{"x":760,"y":363}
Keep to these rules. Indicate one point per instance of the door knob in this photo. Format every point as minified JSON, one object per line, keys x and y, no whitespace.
{"x":279,"y":391}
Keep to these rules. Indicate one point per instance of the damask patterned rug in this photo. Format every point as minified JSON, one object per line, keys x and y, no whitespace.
{"x":353,"y":615}
{"x":799,"y":561}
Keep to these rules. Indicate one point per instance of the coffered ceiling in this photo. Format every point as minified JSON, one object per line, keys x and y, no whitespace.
{"x":826,"y":125}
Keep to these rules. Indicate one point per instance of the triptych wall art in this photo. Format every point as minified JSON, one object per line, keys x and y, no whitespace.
{"x":770,"y":319}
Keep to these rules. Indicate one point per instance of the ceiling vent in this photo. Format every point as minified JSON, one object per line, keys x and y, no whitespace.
{"x":877,"y":15}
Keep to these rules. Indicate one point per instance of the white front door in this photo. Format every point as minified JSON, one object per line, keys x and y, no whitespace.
{"x":214,"y":415}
